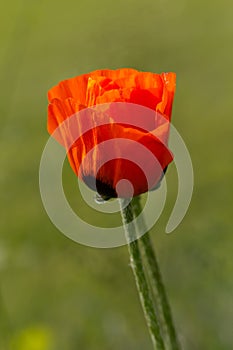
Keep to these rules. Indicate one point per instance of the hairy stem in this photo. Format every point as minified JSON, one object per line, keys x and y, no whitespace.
{"x":140,"y":276}
{"x":159,"y":292}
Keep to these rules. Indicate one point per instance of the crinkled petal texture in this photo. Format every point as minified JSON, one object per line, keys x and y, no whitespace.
{"x":114,"y":125}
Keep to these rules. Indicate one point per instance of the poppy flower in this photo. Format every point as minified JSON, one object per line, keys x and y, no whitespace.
{"x":129,"y":111}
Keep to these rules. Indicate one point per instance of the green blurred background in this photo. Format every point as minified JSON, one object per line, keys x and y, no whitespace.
{"x":56,"y":294}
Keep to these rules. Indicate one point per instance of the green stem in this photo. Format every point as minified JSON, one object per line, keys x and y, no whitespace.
{"x":161,"y":300}
{"x":139,"y":274}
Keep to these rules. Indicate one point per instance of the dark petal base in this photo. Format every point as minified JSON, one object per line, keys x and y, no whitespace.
{"x":160,"y":180}
{"x":105,"y":190}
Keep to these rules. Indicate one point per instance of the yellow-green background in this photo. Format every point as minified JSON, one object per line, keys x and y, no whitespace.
{"x":57,"y":294}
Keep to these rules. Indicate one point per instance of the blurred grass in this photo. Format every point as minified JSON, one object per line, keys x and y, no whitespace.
{"x":73,"y":297}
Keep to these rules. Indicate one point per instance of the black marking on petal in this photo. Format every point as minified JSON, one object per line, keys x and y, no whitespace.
{"x":105,"y":190}
{"x":160,"y":180}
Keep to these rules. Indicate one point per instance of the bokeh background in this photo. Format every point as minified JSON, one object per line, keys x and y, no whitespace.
{"x":56,"y":294}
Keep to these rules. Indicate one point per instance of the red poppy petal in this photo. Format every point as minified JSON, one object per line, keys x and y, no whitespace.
{"x":146,"y":80}
{"x":154,"y":91}
{"x":58,"y":112}
{"x":165,"y":106}
{"x":113,"y":171}
{"x":114,"y":74}
{"x":76,"y":87}
{"x":71,"y":88}
{"x":96,"y":87}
